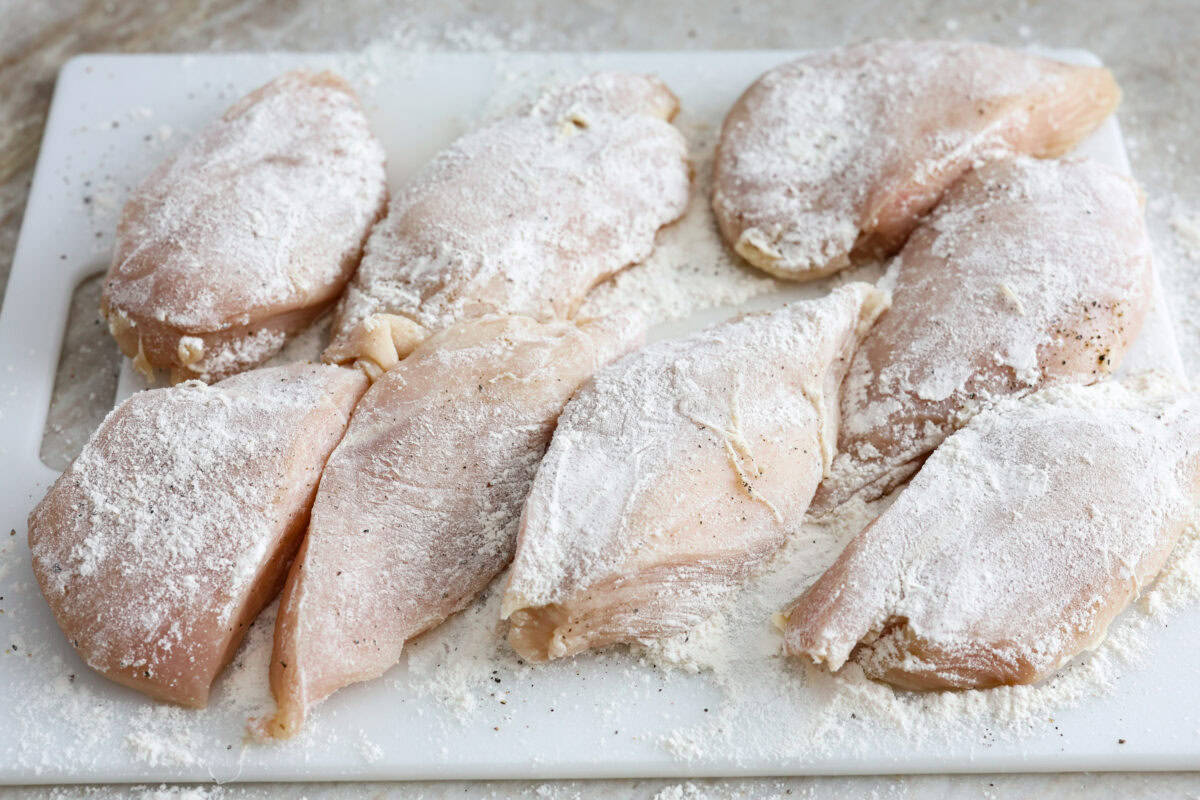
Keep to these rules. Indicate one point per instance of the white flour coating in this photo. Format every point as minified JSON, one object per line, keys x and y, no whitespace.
{"x":674,"y":473}
{"x":1029,"y":272}
{"x":526,"y":214}
{"x":152,"y":542}
{"x":67,"y":720}
{"x":844,"y":149}
{"x":1016,"y":543}
{"x":257,"y":214}
{"x":228,"y":357}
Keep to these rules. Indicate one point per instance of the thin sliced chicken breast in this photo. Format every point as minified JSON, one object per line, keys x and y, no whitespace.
{"x":676,"y":472}
{"x":1012,"y":550}
{"x":523,"y":216}
{"x":417,"y":510}
{"x":838,"y":153}
{"x":249,"y":233}
{"x":1029,"y":273}
{"x":163,"y":540}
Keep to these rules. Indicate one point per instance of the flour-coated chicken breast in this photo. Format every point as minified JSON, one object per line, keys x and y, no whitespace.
{"x":248,"y":233}
{"x":162,"y":541}
{"x":417,"y":510}
{"x":838,"y":153}
{"x":1030,"y":272}
{"x":676,"y":472}
{"x":1022,"y":537}
{"x":522,"y":216}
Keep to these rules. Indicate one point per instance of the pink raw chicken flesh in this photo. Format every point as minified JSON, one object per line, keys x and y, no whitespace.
{"x":163,"y":540}
{"x":247,"y":234}
{"x":417,"y":509}
{"x":523,"y":216}
{"x":677,"y":472}
{"x":1019,"y":541}
{"x":1029,"y":273}
{"x":838,"y":153}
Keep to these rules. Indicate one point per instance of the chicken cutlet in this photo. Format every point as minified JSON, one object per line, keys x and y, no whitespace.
{"x":837,"y":154}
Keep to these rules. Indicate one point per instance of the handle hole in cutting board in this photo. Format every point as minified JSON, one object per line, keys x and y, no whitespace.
{"x":85,"y":382}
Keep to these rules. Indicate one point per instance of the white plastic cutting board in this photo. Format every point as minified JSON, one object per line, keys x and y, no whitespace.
{"x":113,"y":117}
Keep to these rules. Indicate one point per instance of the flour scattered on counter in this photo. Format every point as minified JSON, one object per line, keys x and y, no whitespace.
{"x":306,"y":345}
{"x":682,"y":791}
{"x":370,"y":751}
{"x":691,"y":268}
{"x":838,"y":714}
{"x":158,"y":750}
{"x":458,"y":663}
{"x":165,"y":792}
{"x":687,"y":745}
{"x":1187,"y":232}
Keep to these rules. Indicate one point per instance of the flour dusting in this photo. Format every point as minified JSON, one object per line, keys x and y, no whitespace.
{"x":839,"y":152}
{"x":733,"y":697}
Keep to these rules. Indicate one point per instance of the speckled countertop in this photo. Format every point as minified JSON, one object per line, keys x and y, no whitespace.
{"x":1153,"y":46}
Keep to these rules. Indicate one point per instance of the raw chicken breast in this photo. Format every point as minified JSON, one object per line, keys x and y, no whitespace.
{"x":1015,"y":546}
{"x":1029,"y":273}
{"x":248,"y":233}
{"x":417,"y":509}
{"x":523,"y":216}
{"x":838,"y":153}
{"x":677,"y":472}
{"x":163,"y":540}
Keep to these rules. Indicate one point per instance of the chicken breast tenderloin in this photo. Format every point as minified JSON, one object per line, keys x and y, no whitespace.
{"x":247,"y":234}
{"x":1028,"y":273}
{"x":676,"y":472}
{"x":1019,"y":541}
{"x":418,"y":507}
{"x":163,"y":540}
{"x":523,"y":216}
{"x":840,"y":152}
